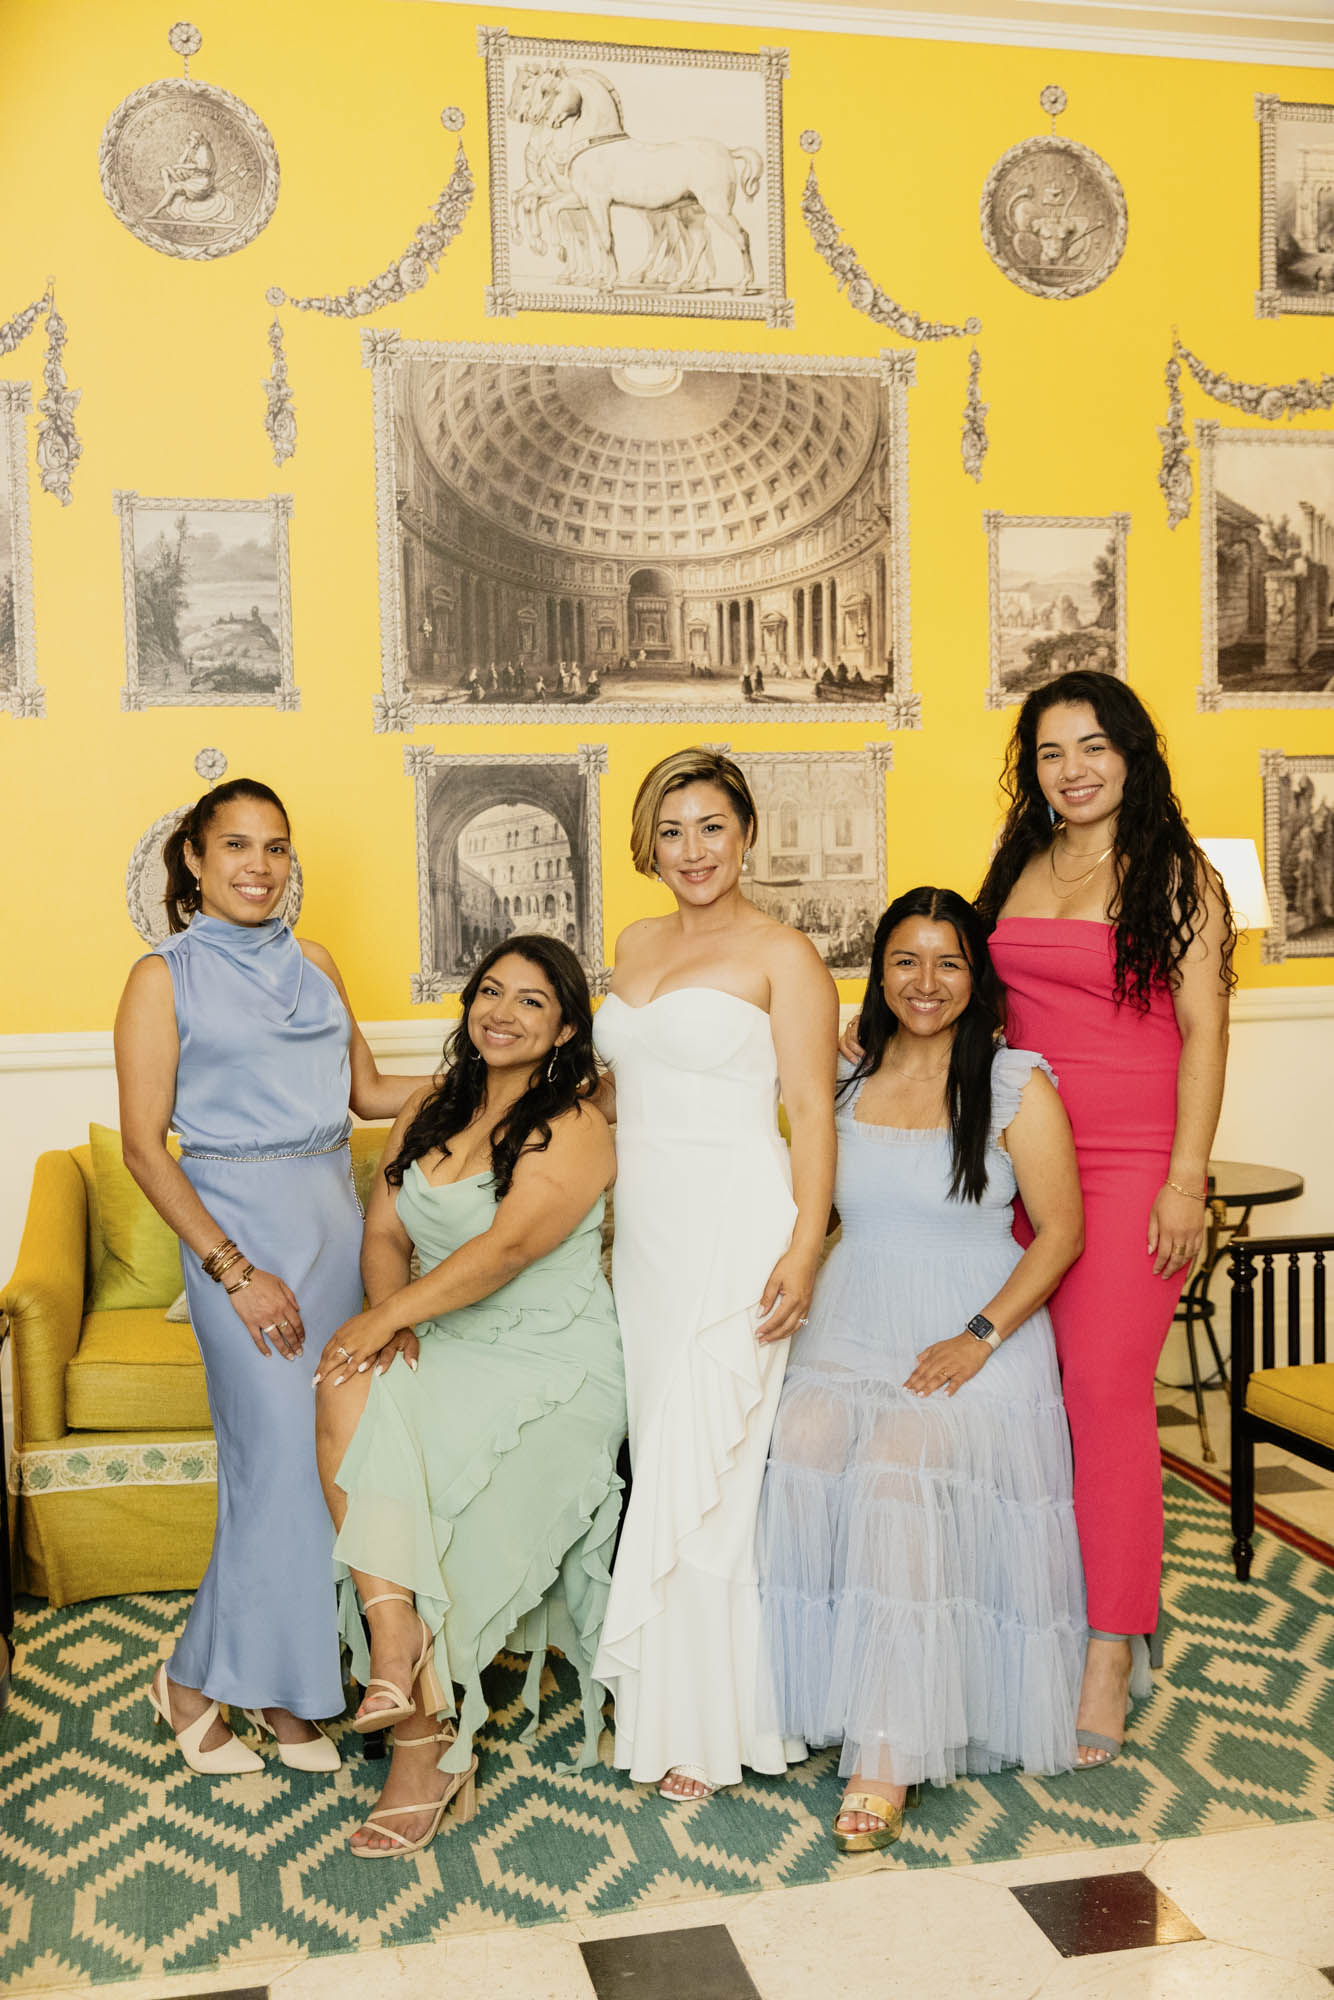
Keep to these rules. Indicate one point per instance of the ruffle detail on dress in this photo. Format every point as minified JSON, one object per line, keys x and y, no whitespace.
{"x":1010,"y":1071}
{"x":583,"y":1530}
{"x":921,"y":1581}
{"x":491,"y":1319}
{"x":679,"y":1469}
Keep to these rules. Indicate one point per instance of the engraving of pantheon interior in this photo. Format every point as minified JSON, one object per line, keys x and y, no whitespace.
{"x":657,"y":539}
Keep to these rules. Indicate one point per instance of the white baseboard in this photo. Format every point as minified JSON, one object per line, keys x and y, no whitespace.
{"x":421,"y":1040}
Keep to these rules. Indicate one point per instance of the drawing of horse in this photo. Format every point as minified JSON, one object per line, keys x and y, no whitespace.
{"x":605,"y":166}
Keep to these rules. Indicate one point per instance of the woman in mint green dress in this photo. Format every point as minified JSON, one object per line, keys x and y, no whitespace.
{"x":474,"y":1489}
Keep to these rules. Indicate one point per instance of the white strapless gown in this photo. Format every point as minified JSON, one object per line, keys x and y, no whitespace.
{"x":704,"y":1210}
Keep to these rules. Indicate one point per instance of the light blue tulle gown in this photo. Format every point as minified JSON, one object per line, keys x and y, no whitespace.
{"x":262,"y":1112}
{"x":923,"y":1596}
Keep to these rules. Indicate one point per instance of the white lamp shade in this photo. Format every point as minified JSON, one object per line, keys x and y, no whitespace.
{"x":1238,"y":862}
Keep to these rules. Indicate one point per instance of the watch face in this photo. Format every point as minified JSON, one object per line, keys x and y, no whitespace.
{"x":981,"y":1326}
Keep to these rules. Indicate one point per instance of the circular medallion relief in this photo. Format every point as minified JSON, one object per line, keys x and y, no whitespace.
{"x":1054,"y":217}
{"x":188,"y":168}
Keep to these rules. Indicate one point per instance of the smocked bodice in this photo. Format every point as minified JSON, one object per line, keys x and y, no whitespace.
{"x":892,"y":1186}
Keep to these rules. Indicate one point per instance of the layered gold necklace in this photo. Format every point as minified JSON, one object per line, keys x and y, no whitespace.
{"x":1065,"y":887}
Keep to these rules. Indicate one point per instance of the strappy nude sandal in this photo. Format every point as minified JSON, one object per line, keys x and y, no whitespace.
{"x":460,"y":1801}
{"x":366,"y":1721}
{"x":878,"y":1808}
{"x":227,"y":1760}
{"x":696,"y":1776}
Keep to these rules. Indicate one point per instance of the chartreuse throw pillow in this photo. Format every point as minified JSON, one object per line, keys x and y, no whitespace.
{"x":141,"y":1257}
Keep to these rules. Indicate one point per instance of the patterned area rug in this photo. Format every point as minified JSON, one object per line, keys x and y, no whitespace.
{"x":115,"y":1860}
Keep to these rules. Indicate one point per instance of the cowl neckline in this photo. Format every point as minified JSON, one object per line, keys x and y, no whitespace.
{"x":266,"y":953}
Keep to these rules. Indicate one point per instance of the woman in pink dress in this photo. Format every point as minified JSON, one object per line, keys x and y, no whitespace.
{"x":1114,"y":939}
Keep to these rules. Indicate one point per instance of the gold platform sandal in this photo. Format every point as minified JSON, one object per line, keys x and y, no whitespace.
{"x":460,"y":1800}
{"x":880,"y":1808}
{"x":367,"y":1721}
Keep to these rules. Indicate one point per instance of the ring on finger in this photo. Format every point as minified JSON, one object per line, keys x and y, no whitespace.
{"x":346,"y":1356}
{"x":271,"y":1329}
{"x":283,"y":1324}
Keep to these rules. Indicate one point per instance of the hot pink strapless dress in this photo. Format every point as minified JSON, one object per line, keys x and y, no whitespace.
{"x":1117,"y":1069}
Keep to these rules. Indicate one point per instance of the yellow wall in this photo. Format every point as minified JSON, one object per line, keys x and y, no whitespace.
{"x":170,"y":356}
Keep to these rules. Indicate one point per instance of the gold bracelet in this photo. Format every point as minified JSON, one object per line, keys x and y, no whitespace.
{"x":220,"y":1271}
{"x":1190,"y":1193}
{"x":241,"y":1282}
{"x":211,"y":1263}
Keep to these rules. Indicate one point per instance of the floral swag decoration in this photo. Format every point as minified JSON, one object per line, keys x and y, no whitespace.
{"x":406,"y":273}
{"x":1267,"y":400}
{"x":865,"y":296}
{"x":58,"y":446}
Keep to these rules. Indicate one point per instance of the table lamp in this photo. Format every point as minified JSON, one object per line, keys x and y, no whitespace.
{"x":1238,"y":862}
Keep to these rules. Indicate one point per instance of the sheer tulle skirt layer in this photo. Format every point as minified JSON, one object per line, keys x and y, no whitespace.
{"x":922,"y":1588}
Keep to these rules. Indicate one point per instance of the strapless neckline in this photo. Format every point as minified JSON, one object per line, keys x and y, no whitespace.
{"x":1098,"y":923}
{"x":673,"y":992}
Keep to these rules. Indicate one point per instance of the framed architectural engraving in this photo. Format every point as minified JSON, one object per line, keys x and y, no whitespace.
{"x":505,"y":844}
{"x":19,"y":693}
{"x":1299,"y":855}
{"x":818,"y":862}
{"x":640,"y":180}
{"x":654,"y":536}
{"x":208,"y":607}
{"x":1267,"y":567}
{"x":1057,"y":595}
{"x":1296,"y":208}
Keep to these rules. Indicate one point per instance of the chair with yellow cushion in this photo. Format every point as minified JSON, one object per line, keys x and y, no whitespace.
{"x":113,"y":1470}
{"x":1289,"y":1401}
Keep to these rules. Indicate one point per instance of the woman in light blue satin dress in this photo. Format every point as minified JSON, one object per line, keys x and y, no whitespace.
{"x":240,"y":1039}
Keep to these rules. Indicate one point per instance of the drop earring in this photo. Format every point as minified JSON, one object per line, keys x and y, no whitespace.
{"x":551,"y":1066}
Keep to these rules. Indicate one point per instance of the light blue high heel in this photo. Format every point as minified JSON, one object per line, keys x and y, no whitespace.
{"x":1146,"y":1652}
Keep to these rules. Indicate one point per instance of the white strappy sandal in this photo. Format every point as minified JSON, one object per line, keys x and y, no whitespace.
{"x":460,"y":1801}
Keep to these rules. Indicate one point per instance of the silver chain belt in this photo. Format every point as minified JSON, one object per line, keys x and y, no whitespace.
{"x":260,"y":1159}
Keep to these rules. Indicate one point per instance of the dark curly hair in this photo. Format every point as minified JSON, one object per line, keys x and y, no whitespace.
{"x":968,"y":1086}
{"x":1159,"y":903}
{"x":460,"y":1090}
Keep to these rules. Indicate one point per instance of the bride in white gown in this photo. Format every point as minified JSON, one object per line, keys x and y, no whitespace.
{"x":713,"y":1011}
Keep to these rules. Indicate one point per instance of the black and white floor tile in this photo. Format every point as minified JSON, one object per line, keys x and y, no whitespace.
{"x":1234,"y":1916}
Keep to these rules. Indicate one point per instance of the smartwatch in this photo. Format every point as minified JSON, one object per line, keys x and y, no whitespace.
{"x":981,"y":1329}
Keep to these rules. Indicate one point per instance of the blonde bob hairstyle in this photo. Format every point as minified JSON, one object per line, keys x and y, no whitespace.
{"x":695,"y":766}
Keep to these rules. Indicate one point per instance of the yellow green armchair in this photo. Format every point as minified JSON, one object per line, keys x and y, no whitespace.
{"x":113,"y":1473}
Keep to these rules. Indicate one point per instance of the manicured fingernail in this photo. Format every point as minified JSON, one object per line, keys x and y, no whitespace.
{"x":413,"y":1366}
{"x":380,"y":1371}
{"x":362,"y":1366}
{"x":315,"y":1383}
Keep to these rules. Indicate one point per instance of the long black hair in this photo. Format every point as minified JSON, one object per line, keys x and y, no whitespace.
{"x":968,"y":1085}
{"x":563,"y":1080}
{"x":182,"y":896}
{"x":1158,"y":903}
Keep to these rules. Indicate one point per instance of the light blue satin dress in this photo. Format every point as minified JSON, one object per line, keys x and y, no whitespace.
{"x":262,"y":1111}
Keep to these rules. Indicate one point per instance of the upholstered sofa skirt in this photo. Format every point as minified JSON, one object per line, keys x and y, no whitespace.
{"x":113,"y":1471}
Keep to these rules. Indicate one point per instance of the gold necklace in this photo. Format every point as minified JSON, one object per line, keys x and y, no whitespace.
{"x":1073,"y":885}
{"x":899,"y":1070}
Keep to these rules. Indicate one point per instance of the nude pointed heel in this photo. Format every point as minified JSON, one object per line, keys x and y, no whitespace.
{"x":230,"y":1759}
{"x":367,"y":1721}
{"x":321,"y":1755}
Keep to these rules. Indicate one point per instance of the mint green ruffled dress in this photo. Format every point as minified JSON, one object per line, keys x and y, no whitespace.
{"x":485,"y":1482}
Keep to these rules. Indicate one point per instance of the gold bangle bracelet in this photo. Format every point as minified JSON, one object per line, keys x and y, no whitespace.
{"x":241,"y":1282}
{"x":1191,"y":1194}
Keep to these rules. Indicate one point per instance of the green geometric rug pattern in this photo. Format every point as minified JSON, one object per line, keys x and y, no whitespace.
{"x":116,"y":1860}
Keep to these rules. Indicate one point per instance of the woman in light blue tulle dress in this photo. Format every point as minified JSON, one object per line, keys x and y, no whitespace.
{"x":919,"y":1566}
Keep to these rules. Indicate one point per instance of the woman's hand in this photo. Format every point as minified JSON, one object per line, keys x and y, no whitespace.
{"x":266,"y":1306}
{"x":1176,"y":1230}
{"x":848,"y":1045}
{"x":787,"y":1296}
{"x":355,"y":1345}
{"x":404,"y":1342}
{"x":954,"y":1361}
